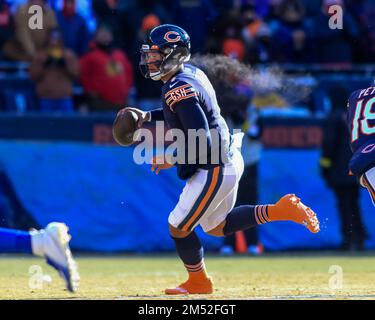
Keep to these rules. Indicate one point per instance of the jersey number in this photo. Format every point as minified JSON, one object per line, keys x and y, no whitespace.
{"x":363,"y":124}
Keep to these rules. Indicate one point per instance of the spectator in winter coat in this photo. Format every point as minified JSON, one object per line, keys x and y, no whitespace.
{"x":54,"y":70}
{"x":106,"y":74}
{"x":27,"y":41}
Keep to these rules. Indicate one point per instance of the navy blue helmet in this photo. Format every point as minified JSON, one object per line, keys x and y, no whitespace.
{"x":167,"y":47}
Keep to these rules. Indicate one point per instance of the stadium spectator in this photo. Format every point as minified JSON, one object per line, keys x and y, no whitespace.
{"x":365,"y":48}
{"x":26,"y":41}
{"x":6,"y":23}
{"x":106,"y":74}
{"x":139,"y":18}
{"x":262,"y":7}
{"x":334,"y":161}
{"x":147,"y":92}
{"x":289,"y":32}
{"x":226,"y":35}
{"x":228,"y":38}
{"x":73,"y":27}
{"x":312,"y":7}
{"x":54,"y":71}
{"x":333,"y":45}
{"x":195,"y":17}
{"x":110,"y":14}
{"x":253,"y":22}
{"x":234,"y":48}
{"x":257,"y":35}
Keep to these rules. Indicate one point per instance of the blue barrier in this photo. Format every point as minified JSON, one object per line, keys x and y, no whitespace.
{"x":292,"y":171}
{"x":112,"y":204}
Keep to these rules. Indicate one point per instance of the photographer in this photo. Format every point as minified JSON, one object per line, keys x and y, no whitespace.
{"x":54,"y":71}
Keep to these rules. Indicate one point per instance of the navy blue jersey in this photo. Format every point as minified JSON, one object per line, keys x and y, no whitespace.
{"x":361,"y":122}
{"x":189,"y":102}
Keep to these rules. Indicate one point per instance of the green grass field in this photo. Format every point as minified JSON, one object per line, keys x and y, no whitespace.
{"x":145,"y":277}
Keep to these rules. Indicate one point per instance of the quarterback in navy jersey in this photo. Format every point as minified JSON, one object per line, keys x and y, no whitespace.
{"x":208,"y":198}
{"x":361,"y":122}
{"x":190,"y":103}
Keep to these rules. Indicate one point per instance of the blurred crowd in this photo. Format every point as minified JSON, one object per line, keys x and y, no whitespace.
{"x":105,"y":62}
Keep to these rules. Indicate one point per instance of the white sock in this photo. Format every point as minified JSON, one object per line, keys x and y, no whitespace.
{"x":37,"y":242}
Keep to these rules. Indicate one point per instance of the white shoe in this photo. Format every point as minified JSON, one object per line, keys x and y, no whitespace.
{"x":53,"y":244}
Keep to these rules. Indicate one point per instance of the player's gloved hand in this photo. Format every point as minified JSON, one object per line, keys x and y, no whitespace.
{"x":160,"y":162}
{"x":143,"y":116}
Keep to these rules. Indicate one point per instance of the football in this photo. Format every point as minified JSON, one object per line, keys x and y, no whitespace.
{"x":124,"y":127}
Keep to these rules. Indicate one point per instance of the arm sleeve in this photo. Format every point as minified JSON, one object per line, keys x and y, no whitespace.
{"x":157,"y":115}
{"x":192,"y":116}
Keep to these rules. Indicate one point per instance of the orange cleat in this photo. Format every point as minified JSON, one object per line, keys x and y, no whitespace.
{"x":192,"y":287}
{"x":290,"y":208}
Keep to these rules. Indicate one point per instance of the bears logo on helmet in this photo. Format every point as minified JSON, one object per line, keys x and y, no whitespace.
{"x":176,"y":37}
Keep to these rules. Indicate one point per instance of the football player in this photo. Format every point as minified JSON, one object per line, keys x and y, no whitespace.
{"x":361,"y":122}
{"x":189,"y":103}
{"x":52,"y":243}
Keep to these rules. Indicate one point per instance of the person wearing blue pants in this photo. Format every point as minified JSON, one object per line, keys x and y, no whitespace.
{"x":52,"y":243}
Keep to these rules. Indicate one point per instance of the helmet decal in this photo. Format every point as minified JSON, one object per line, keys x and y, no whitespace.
{"x":175,"y":36}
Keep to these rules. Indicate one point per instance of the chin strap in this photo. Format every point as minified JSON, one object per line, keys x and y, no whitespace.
{"x":156,"y":76}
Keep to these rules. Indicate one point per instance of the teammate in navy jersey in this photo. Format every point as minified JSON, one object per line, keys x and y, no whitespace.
{"x":361,"y":122}
{"x":208,"y":198}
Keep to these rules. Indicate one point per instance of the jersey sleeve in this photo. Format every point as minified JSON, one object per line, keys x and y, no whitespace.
{"x":157,"y":115}
{"x":192,"y":117}
{"x":353,"y":96}
{"x":178,"y":92}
